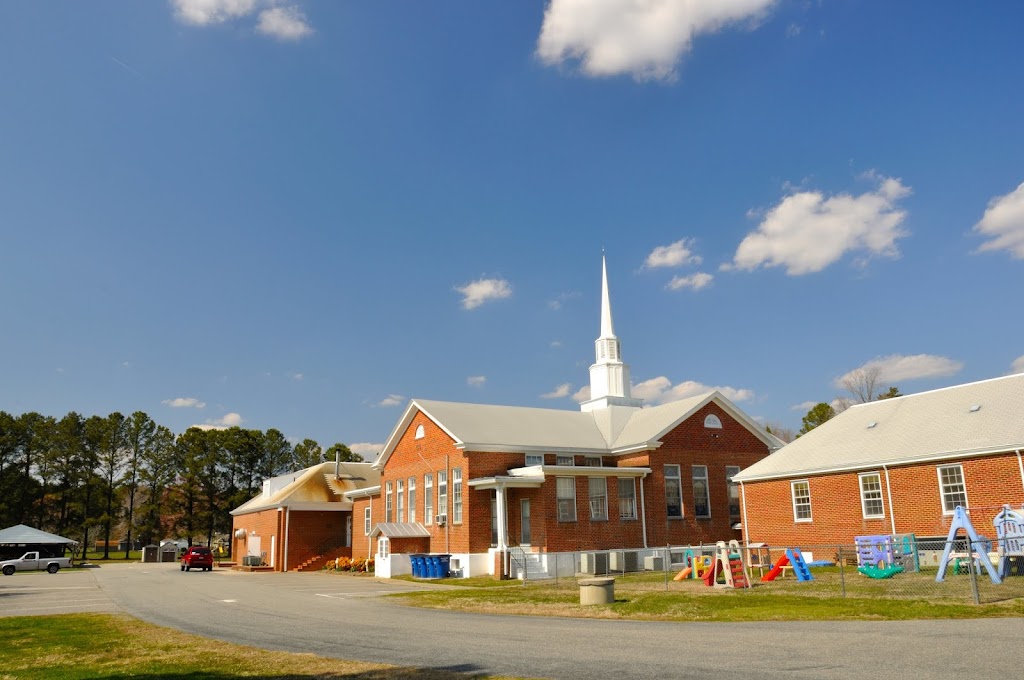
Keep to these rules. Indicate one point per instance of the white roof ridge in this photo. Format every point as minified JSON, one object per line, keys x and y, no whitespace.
{"x":938,"y":389}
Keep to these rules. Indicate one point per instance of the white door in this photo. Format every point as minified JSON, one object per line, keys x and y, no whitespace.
{"x":253,"y":548}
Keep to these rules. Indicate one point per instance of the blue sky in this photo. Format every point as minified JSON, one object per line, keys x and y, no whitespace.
{"x":301,"y":214}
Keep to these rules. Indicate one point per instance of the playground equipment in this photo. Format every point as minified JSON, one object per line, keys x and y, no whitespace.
{"x":1009,"y":526}
{"x":873,"y":571}
{"x":758,"y":557}
{"x":885,"y":551}
{"x":793,"y":558}
{"x":701,"y":565}
{"x":977,"y":547}
{"x":729,"y":564}
{"x":683,"y":574}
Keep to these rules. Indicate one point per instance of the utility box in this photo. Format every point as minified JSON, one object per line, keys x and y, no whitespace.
{"x":654,"y":563}
{"x":623,"y":561}
{"x":594,"y":563}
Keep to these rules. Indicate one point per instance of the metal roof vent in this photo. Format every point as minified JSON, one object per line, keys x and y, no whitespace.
{"x":872,"y":424}
{"x":975,"y":408}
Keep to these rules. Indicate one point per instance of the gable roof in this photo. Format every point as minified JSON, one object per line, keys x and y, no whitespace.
{"x":612,"y":430}
{"x":935,"y":425}
{"x":21,"y":533}
{"x":315,"y":484}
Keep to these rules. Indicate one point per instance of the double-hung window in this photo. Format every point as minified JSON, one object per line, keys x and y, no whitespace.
{"x":627,"y":498}
{"x":701,"y":497}
{"x":598,"y":487}
{"x":565,"y":460}
{"x":673,"y":492}
{"x":401,"y":500}
{"x":565,"y":490}
{"x":592,"y":461}
{"x":442,"y":493}
{"x":387,"y":502}
{"x":457,"y":495}
{"x":534,"y":459}
{"x":734,"y":490}
{"x":871,"y":495}
{"x":428,"y":499}
{"x":952,"y":488}
{"x":411,"y":491}
{"x":366,"y":520}
{"x":801,"y":500}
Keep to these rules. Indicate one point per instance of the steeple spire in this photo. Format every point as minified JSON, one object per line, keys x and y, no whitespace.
{"x":609,"y":377}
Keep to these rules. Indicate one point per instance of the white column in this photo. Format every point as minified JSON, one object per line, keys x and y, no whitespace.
{"x":502,"y":518}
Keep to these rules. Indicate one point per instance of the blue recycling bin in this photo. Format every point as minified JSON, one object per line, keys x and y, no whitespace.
{"x":417,"y":565}
{"x":433,"y":566}
{"x":444,"y":562}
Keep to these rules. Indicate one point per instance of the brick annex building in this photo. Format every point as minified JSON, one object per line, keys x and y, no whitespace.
{"x":475,"y":481}
{"x":895,"y":466}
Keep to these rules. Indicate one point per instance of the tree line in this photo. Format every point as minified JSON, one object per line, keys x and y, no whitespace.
{"x":117,"y":477}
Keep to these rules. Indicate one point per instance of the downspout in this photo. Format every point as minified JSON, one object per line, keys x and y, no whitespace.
{"x":888,"y":492}
{"x":447,"y":495}
{"x":643,"y":508}
{"x":743,"y":500}
{"x":1020,"y":464}
{"x":287,"y":516}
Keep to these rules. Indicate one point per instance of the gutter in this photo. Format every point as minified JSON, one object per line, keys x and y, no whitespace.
{"x":1020,"y":464}
{"x":888,"y":491}
{"x":643,"y":508}
{"x":743,"y":500}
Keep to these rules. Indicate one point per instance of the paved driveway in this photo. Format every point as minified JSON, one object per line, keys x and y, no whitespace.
{"x":340,"y":616}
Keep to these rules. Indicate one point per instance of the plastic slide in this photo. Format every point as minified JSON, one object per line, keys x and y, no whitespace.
{"x":685,"y":573}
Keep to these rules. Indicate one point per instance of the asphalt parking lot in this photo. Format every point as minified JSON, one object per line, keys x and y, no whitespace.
{"x":343,"y":616}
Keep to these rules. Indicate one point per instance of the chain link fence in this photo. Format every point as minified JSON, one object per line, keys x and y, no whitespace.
{"x":897,"y":569}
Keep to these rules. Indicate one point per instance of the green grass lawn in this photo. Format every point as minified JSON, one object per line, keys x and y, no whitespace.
{"x":653,"y":596}
{"x":115,"y":646}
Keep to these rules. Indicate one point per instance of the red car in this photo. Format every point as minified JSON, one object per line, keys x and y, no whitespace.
{"x":197,"y":557}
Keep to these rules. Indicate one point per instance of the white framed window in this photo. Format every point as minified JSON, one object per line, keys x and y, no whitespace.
{"x":592,"y":461}
{"x":442,"y":492}
{"x":733,"y":489}
{"x":627,"y":498}
{"x":383,"y":547}
{"x":420,"y":432}
{"x":565,"y":490}
{"x":673,"y":492}
{"x":348,"y":531}
{"x":400,"y":489}
{"x":871,"y":495}
{"x":457,"y":495}
{"x":411,"y":498}
{"x":428,"y":499}
{"x":387,"y":502}
{"x":366,"y":520}
{"x":534,"y":459}
{"x":598,"y":488}
{"x":701,"y":492}
{"x":801,"y":500}
{"x":713,"y":422}
{"x":952,"y":487}
{"x":565,"y":460}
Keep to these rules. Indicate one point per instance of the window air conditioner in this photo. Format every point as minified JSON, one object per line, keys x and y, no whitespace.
{"x":441,"y":520}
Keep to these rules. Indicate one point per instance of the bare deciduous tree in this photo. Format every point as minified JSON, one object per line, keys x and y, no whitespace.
{"x":864,"y":384}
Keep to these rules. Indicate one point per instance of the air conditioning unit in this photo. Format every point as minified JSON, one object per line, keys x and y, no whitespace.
{"x":441,"y":520}
{"x":594,"y":563}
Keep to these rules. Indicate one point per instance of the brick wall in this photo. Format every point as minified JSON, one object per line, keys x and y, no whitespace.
{"x":836,"y":503}
{"x":265,"y":523}
{"x":309,"y":533}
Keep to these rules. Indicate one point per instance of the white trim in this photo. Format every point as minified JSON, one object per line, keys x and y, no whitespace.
{"x":792,"y":494}
{"x":400,"y":429}
{"x":707,"y":491}
{"x":863,"y":500}
{"x":364,"y":492}
{"x":743,"y":500}
{"x":1020,"y":464}
{"x":888,"y":492}
{"x":679,"y":480}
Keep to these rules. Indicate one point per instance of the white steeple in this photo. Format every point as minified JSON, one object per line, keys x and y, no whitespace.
{"x":609,"y":377}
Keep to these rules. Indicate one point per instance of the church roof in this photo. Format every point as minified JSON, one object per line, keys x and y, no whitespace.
{"x":964,"y":420}
{"x":612,"y":430}
{"x":315,"y":484}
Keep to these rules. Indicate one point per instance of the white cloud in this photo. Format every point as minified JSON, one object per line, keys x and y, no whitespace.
{"x":804,"y":406}
{"x":365,"y":449}
{"x":284,"y":23}
{"x":673,"y":255}
{"x":562,"y":298}
{"x":555,"y":344}
{"x":582,"y":394}
{"x":661,"y":390}
{"x":296,"y":376}
{"x":693,"y":281}
{"x":1003,"y":221}
{"x":559,"y":392}
{"x":1018,"y":365}
{"x":478,"y":292}
{"x":645,"y":38}
{"x":206,"y":12}
{"x":391,"y":400}
{"x":222,"y":423}
{"x":808,"y":231}
{"x":793,"y":30}
{"x":476,"y":380}
{"x":898,"y":367}
{"x":184,"y":402}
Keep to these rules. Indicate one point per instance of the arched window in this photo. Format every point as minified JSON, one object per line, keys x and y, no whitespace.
{"x":420,"y":433}
{"x":713,"y":422}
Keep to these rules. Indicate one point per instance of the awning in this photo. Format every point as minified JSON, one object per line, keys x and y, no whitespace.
{"x":400,"y":530}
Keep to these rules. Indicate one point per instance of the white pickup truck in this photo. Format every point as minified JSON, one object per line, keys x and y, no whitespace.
{"x":31,"y":561}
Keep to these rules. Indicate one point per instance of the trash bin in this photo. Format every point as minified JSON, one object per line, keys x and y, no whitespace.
{"x":417,"y":566}
{"x":434,"y":566}
{"x":444,"y":561}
